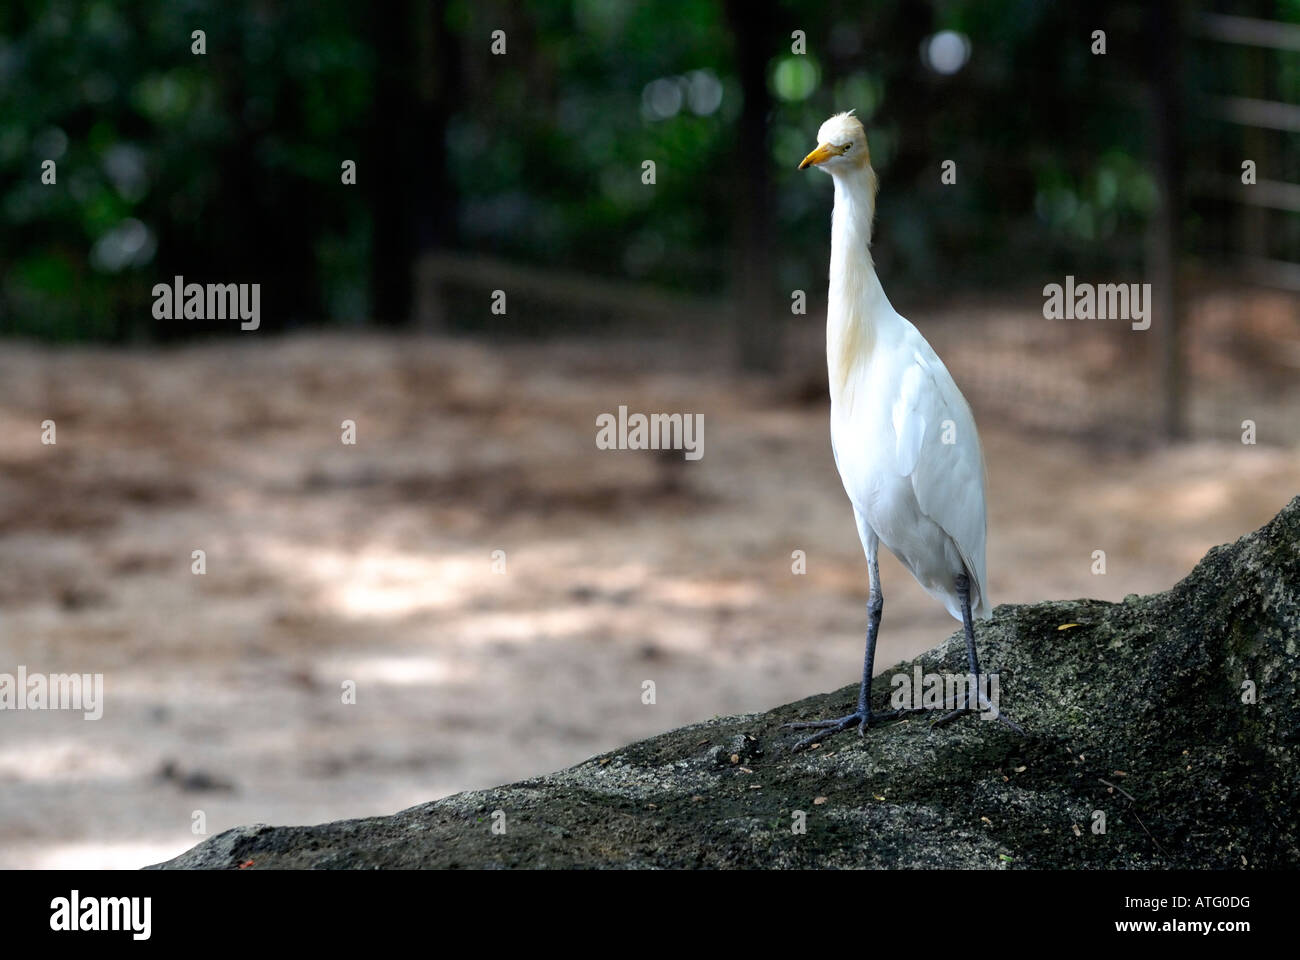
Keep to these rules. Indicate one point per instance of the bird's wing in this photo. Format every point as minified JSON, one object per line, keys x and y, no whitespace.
{"x":947,"y":478}
{"x":910,"y":415}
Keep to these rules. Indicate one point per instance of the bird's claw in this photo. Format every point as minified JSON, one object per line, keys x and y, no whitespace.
{"x":829,"y":728}
{"x":966,"y":708}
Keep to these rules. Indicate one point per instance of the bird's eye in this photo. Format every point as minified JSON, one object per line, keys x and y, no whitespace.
{"x":846,"y":147}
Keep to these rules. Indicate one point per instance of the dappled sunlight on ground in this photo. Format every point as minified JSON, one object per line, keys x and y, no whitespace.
{"x":374,"y":564}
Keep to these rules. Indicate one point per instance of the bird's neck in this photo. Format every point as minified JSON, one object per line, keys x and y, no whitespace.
{"x":856,"y":304}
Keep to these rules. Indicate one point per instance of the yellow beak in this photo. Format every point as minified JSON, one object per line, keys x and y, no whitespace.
{"x":821,"y":155}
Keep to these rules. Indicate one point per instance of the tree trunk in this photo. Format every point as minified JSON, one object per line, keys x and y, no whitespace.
{"x":1164,"y":234}
{"x":758,"y":330}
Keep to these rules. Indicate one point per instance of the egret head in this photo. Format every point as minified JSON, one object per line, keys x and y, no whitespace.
{"x":841,"y":146}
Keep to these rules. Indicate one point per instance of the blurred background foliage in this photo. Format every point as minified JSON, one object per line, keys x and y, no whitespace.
{"x":226,"y":167}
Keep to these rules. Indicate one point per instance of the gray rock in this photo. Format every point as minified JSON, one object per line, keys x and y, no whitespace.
{"x":1136,"y":712}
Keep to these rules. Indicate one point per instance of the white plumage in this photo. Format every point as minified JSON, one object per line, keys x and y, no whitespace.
{"x":903,"y":435}
{"x":922,"y":497}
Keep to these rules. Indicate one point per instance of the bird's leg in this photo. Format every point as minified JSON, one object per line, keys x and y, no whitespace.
{"x":875,"y":607}
{"x":863,"y":716}
{"x":962,"y":582}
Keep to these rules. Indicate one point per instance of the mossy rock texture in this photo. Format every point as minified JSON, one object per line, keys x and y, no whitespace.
{"x":1140,"y":714}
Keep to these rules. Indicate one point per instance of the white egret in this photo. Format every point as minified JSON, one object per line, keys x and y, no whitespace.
{"x":902,"y":434}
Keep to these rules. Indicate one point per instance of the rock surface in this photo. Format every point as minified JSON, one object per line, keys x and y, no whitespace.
{"x":1137,"y":712}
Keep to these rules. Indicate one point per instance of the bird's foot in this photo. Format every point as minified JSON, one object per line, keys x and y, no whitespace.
{"x":984,"y":707}
{"x":828,"y":728}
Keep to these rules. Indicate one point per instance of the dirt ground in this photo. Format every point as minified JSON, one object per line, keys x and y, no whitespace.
{"x":373,"y":563}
